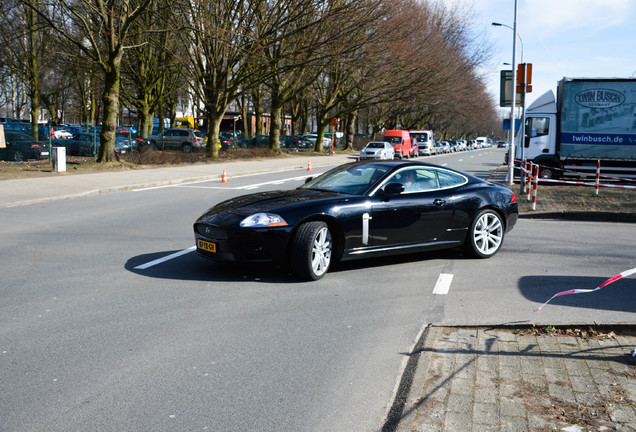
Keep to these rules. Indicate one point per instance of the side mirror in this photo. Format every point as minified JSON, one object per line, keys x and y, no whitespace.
{"x":394,"y":188}
{"x":308,"y":179}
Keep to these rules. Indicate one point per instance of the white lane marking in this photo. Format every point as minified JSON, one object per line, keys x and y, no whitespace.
{"x":257,"y":185}
{"x":217,"y":180}
{"x":166,"y":258}
{"x":443,"y":284}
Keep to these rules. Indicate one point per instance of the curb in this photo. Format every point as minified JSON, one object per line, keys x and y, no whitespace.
{"x":583,"y":216}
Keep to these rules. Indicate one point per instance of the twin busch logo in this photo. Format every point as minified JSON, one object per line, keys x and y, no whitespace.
{"x":599,"y":98}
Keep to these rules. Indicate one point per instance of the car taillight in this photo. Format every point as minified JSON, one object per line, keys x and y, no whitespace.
{"x":35,"y":146}
{"x":514,"y":198}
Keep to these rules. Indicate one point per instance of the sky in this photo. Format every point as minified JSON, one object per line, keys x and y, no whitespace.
{"x":561,"y":38}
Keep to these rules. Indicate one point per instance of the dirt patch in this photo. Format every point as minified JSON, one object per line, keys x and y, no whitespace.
{"x":571,"y":198}
{"x":584,"y":334}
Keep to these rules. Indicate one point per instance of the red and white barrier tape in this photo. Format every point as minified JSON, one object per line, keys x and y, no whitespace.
{"x":582,"y":291}
{"x":586,"y":183}
{"x":629,"y":180}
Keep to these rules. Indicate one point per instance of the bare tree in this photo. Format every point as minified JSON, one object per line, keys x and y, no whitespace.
{"x":101,"y":30}
{"x":150,"y":74}
{"x":220,"y":39}
{"x":26,"y":46}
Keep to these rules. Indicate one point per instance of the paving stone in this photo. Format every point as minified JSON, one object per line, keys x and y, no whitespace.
{"x":456,"y":421}
{"x":486,"y":413}
{"x":460,"y":403}
{"x":514,"y":424}
{"x":560,"y":391}
{"x":512,"y":408}
{"x":462,"y":386}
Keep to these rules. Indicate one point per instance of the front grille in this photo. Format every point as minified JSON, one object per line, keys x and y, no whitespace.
{"x":211,"y":232}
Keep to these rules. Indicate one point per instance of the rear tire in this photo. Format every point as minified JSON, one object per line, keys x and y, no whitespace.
{"x":311,"y":251}
{"x":187,"y":148}
{"x":485,"y":236}
{"x":546,"y":173}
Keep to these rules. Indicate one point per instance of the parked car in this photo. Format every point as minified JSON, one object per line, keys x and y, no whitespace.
{"x":313,"y":137}
{"x":15,"y":127}
{"x":462,"y":145}
{"x":20,"y":146}
{"x":259,"y":141}
{"x":297,"y":142}
{"x":377,"y":150}
{"x":443,"y":147}
{"x":60,"y":132}
{"x":84,"y":144}
{"x":357,"y":210}
{"x":226,"y":142}
{"x":184,"y":139}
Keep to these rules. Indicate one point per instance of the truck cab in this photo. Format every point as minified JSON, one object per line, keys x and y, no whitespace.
{"x":539,"y":137}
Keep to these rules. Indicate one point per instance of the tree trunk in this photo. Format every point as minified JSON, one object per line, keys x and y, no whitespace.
{"x":214,"y":128}
{"x":323,"y":121}
{"x":110,"y":100}
{"x":277,"y":112}
{"x":351,"y":128}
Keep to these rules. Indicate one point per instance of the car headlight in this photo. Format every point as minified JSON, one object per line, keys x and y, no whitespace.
{"x":260,"y":220}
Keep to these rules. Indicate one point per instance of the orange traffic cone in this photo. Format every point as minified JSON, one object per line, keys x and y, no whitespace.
{"x":309,"y":166}
{"x":224,"y":177}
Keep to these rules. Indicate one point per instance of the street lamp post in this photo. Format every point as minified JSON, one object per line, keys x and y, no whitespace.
{"x":511,"y":158}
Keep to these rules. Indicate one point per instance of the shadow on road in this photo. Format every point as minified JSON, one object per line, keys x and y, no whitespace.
{"x":190,"y":266}
{"x":619,"y":296}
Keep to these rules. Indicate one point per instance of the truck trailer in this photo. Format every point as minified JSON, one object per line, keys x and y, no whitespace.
{"x":590,"y":120}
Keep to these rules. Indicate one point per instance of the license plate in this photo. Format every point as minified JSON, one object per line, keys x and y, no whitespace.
{"x":44,"y":153}
{"x":206,"y":246}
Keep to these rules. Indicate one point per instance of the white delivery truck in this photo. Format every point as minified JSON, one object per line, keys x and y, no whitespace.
{"x":425,"y":142}
{"x":591,"y":119}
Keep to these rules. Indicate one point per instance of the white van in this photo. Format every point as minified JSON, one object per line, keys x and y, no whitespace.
{"x":481,"y":142}
{"x":425,"y":142}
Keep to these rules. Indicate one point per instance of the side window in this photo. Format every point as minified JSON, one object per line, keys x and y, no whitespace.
{"x":449,"y":179}
{"x":416,"y":179}
{"x":537,"y":126}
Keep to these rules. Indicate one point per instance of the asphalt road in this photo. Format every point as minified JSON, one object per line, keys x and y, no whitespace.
{"x":101,"y":329}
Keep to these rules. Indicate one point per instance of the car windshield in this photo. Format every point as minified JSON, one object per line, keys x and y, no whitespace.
{"x":349,"y":179}
{"x":393,"y":140}
{"x":375,"y":145}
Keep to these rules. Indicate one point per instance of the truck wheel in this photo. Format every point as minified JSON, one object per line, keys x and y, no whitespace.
{"x":546,"y":173}
{"x":485,"y":236}
{"x":311,"y":251}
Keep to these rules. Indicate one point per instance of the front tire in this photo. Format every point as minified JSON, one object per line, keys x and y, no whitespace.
{"x":311,"y":251}
{"x":485,"y":236}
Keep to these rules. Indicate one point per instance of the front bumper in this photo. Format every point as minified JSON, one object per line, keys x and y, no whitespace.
{"x":241,"y":245}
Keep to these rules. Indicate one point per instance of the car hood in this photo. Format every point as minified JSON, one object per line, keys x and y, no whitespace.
{"x":268,"y":202}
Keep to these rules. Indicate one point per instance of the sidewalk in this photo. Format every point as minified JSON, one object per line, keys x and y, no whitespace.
{"x":506,"y":379}
{"x":67,"y":185}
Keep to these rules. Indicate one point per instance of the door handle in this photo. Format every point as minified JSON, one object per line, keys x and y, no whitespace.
{"x":439,"y":202}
